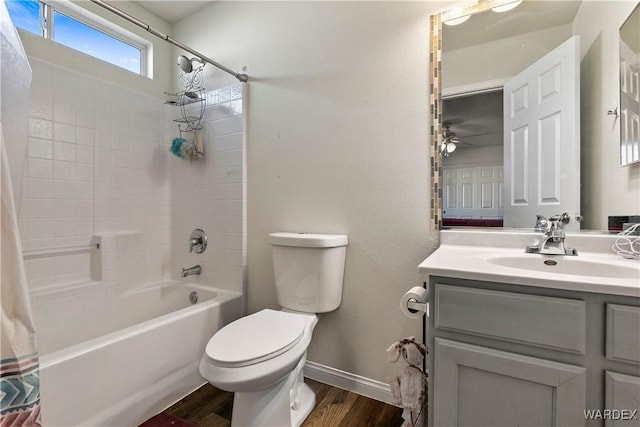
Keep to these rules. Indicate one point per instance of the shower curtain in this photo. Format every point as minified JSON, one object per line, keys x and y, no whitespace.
{"x":19,"y":381}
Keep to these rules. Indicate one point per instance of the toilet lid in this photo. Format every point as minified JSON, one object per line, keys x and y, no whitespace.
{"x":255,"y":338}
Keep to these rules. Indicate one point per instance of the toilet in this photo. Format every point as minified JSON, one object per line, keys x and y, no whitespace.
{"x":261,"y":357}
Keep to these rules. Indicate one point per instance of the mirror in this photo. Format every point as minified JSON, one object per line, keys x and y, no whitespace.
{"x":629,"y":89}
{"x":484,"y":178}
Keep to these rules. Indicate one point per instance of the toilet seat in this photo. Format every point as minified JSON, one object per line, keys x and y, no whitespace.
{"x":255,"y":338}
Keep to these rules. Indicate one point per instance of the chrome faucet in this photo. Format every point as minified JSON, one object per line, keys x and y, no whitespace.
{"x":198,"y":241}
{"x":196,"y":269}
{"x":552,"y":241}
{"x":541,"y":223}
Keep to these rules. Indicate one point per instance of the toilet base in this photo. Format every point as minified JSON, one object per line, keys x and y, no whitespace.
{"x":306,"y":405}
{"x":287,"y":403}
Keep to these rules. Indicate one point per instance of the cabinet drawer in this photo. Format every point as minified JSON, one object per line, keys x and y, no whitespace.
{"x":537,"y":320}
{"x":623,"y":333}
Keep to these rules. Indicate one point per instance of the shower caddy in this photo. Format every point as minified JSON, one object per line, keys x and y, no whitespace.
{"x":192,"y":102}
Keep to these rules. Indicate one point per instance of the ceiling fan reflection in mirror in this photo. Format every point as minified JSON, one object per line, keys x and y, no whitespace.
{"x":450,"y":140}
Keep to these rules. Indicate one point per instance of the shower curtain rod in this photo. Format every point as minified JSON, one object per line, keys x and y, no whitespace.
{"x":165,"y":37}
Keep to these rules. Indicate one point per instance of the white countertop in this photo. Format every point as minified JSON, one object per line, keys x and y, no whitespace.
{"x":470,"y":255}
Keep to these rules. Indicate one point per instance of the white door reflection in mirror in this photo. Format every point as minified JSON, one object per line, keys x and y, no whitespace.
{"x":542,"y":139}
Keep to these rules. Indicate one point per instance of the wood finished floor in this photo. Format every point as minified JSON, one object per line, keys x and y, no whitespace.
{"x":210,"y":407}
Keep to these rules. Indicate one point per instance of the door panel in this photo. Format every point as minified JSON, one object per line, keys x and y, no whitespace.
{"x":542,"y":138}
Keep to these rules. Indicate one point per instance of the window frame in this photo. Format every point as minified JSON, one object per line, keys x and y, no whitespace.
{"x":48,"y":8}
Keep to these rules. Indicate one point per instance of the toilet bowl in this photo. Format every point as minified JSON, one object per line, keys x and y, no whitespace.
{"x":261,"y":357}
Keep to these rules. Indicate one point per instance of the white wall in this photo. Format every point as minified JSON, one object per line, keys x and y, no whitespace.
{"x":607,"y":188}
{"x":337,"y":142}
{"x":486,"y":62}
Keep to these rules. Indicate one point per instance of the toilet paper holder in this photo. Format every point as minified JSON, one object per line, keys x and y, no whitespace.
{"x":414,"y":306}
{"x":414,"y":303}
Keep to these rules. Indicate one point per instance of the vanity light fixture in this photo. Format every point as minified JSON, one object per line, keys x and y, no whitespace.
{"x":507,"y":6}
{"x":458,"y":15}
{"x":457,"y":21}
{"x":463,"y":13}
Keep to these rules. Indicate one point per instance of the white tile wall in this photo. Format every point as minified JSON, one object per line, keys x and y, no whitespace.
{"x":81,"y":176}
{"x":98,"y":164}
{"x":208,"y":193}
{"x":122,"y":254}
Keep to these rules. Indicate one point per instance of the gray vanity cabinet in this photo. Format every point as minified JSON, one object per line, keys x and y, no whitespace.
{"x":511,"y":355}
{"x":622,"y":393}
{"x":623,"y":344}
{"x":480,"y":386}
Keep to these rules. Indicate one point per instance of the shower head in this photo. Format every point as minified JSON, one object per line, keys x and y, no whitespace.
{"x":186,"y":64}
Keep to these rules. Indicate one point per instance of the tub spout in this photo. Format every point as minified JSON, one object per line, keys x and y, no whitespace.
{"x":196,"y":269}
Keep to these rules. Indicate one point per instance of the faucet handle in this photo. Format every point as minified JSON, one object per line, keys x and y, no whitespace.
{"x":198,"y":240}
{"x":555,"y":223}
{"x":541,"y":223}
{"x":563,"y":218}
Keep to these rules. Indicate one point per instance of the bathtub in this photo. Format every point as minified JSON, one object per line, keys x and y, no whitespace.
{"x":113,"y":358}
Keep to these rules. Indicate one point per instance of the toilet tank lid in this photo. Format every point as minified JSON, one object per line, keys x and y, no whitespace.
{"x":308,"y":240}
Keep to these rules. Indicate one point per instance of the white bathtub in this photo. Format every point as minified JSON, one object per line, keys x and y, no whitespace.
{"x":116,"y":359}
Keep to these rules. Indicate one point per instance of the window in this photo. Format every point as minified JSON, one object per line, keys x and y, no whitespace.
{"x":79,"y":36}
{"x":26,"y":15}
{"x":74,"y":27}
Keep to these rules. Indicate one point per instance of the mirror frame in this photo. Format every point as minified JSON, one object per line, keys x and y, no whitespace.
{"x":435,"y":96}
{"x":624,"y":144}
{"x":435,"y":102}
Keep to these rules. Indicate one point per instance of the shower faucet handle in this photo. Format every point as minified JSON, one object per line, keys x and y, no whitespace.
{"x":198,"y":240}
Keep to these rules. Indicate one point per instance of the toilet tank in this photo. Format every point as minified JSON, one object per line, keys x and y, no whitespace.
{"x":309,"y":269}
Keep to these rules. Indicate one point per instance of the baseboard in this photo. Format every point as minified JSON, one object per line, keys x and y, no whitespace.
{"x":347,"y":381}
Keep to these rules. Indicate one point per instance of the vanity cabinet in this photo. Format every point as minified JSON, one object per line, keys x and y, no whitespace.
{"x":623,"y":344}
{"x":513,"y":355}
{"x":481,"y":386}
{"x":623,"y":393}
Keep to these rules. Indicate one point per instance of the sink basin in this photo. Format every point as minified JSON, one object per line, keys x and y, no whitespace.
{"x":566,"y":265}
{"x":499,"y":257}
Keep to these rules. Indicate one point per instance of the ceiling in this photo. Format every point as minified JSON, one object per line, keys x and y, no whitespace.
{"x":532,"y":15}
{"x":173,"y":11}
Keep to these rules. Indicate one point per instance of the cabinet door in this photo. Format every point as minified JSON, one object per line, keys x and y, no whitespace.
{"x":623,"y":340}
{"x":622,"y":399}
{"x":479,"y":386}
